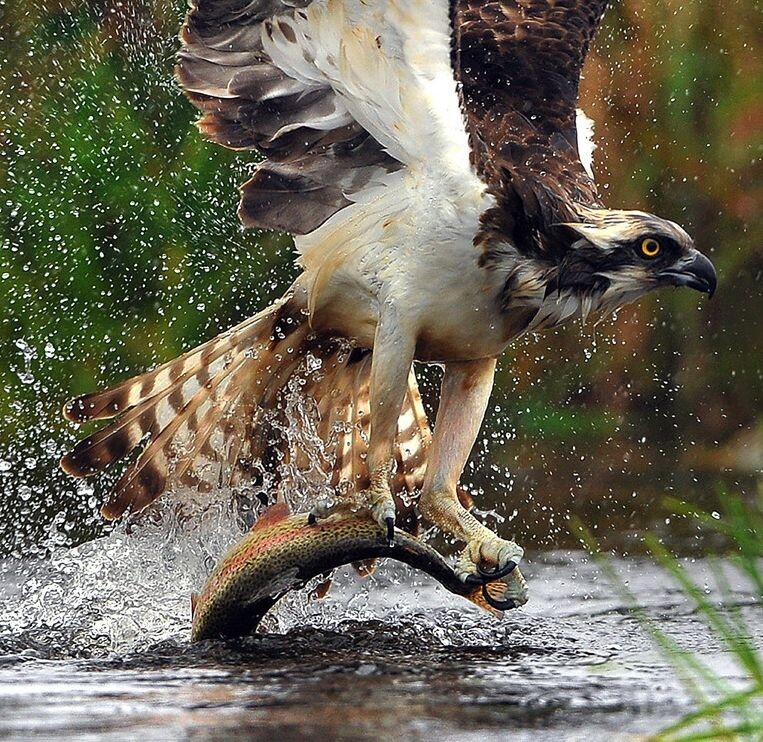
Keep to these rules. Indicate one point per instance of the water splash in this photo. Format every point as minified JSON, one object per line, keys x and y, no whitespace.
{"x":130,"y":589}
{"x":117,"y":593}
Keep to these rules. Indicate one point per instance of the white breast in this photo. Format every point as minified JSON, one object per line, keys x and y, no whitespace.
{"x":408,"y":235}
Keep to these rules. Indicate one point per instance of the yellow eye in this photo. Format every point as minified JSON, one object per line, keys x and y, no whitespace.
{"x":650,"y":247}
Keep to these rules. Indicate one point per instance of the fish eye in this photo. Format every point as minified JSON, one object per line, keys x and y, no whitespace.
{"x":650,"y":248}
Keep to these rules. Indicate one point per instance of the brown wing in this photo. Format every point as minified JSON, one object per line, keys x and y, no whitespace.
{"x":317,"y":154}
{"x":518,"y":64}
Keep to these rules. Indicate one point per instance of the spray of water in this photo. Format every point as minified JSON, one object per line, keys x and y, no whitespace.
{"x":131,"y":588}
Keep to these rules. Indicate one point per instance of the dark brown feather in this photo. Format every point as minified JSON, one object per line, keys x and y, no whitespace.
{"x":518,"y":65}
{"x":249,"y":103}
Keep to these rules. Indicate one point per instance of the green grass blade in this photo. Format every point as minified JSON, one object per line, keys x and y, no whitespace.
{"x":744,"y":651}
{"x":731,"y":701}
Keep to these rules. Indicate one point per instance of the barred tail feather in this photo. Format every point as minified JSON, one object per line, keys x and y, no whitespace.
{"x":195,"y":365}
{"x":146,"y":479}
{"x":345,"y":414}
{"x":180,"y":405}
{"x":216,"y":417}
{"x":345,"y":409}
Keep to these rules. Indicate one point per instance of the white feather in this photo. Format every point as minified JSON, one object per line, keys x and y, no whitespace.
{"x":388,"y":63}
{"x":586,"y":144}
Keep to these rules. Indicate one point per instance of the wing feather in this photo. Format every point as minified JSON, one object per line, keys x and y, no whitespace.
{"x":518,"y":63}
{"x":336,"y":94}
{"x":287,"y":109}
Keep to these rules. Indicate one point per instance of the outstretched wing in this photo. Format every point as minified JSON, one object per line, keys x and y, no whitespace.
{"x":335,"y":94}
{"x":518,"y":63}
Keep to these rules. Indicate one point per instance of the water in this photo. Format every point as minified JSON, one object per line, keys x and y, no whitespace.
{"x":95,"y":644}
{"x":137,"y":254}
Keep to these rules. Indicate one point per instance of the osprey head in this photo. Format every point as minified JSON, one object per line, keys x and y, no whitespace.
{"x":628,"y":253}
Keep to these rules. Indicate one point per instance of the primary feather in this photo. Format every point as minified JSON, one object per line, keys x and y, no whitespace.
{"x":427,"y":156}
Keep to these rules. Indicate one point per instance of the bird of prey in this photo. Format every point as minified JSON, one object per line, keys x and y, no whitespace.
{"x":426,"y":156}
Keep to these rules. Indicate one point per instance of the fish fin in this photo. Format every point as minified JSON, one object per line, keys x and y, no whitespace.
{"x":498,"y":590}
{"x":322,"y":590}
{"x":274,"y":514}
{"x":365,"y":567}
{"x":194,"y":602}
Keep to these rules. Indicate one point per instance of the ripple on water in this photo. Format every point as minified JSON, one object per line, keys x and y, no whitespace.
{"x":106,"y":626}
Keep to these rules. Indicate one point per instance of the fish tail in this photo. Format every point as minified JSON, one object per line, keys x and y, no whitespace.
{"x":498,"y":590}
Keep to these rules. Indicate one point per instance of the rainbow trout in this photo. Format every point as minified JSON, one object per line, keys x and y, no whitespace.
{"x":282,"y":552}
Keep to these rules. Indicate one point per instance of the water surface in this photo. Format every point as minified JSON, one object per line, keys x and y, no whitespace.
{"x":95,"y":644}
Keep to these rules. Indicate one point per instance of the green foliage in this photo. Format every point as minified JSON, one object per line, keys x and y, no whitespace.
{"x":120,"y":247}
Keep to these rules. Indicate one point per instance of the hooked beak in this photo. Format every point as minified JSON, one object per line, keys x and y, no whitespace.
{"x":694,"y":271}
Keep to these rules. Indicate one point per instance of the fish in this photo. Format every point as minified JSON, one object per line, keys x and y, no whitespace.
{"x":283,"y":552}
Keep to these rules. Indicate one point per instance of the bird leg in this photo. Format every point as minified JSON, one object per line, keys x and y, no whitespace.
{"x":390,"y":365}
{"x":466,"y":389}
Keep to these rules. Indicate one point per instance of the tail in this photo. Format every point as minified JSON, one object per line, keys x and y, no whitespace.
{"x":210,"y":418}
{"x":498,"y":591}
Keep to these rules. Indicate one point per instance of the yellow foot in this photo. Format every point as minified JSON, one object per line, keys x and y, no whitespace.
{"x":382,"y":506}
{"x":376,"y":500}
{"x":516,"y":588}
{"x":503,"y":556}
{"x":488,"y":555}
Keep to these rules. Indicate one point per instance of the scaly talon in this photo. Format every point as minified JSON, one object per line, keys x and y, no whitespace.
{"x":507,"y":593}
{"x":516,"y":588}
{"x":486,"y":576}
{"x":382,"y":505}
{"x":390,"y":531}
{"x":488,"y":548}
{"x":377,"y":501}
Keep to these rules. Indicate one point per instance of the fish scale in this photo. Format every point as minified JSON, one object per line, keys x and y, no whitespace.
{"x":283,"y":552}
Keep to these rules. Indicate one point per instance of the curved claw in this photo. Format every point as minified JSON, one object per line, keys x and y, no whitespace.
{"x":312,"y":519}
{"x":496,"y":574}
{"x":499,"y":605}
{"x":390,"y":531}
{"x":485,"y":576}
{"x":475,"y":581}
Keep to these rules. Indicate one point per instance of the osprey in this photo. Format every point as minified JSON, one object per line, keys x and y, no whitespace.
{"x":425,"y":154}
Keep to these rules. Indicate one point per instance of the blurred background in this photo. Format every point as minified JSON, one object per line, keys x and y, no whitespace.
{"x":120,"y":248}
